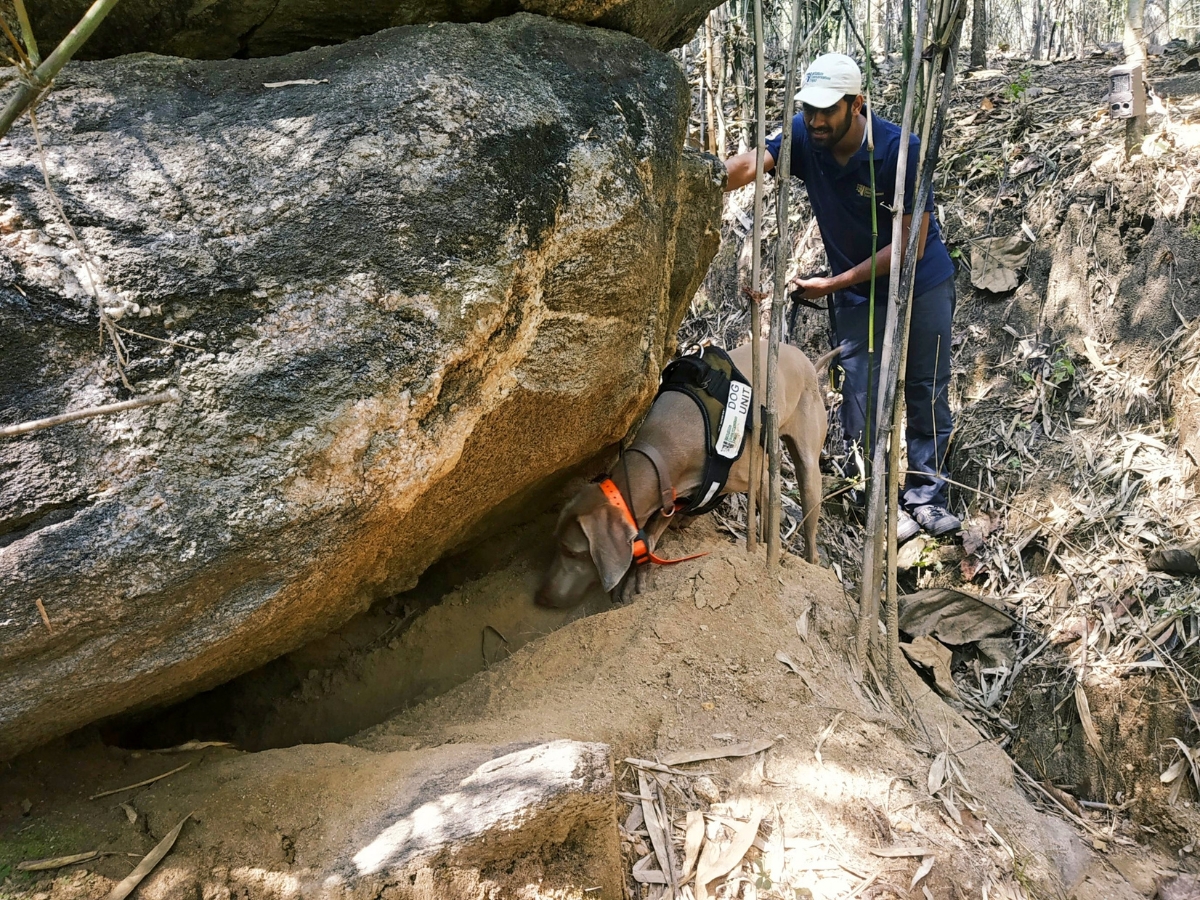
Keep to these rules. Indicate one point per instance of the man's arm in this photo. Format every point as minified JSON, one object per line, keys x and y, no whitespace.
{"x":741,"y":168}
{"x":815,"y":288}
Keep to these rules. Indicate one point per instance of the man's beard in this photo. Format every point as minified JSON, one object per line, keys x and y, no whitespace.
{"x":834,"y":136}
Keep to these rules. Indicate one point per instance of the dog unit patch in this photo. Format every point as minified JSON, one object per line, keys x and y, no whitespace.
{"x":733,"y":420}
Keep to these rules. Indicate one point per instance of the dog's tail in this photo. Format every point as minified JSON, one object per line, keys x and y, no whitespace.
{"x":825,"y":359}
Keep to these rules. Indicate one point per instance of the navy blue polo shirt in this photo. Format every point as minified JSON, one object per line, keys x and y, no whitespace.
{"x":840,"y":197}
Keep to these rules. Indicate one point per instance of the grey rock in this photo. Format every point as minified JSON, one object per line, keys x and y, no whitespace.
{"x":403,"y":300}
{"x":456,"y":821}
{"x":224,"y":29}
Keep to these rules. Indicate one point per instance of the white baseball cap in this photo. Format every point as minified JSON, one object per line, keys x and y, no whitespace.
{"x":829,"y":79}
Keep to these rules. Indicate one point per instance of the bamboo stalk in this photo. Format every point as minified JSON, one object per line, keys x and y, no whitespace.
{"x":872,"y":571}
{"x":893,"y":478}
{"x":720,"y":64}
{"x":783,"y":256}
{"x":949,"y":26}
{"x":784,"y":251}
{"x":31,"y":87}
{"x":710,"y":106}
{"x":760,"y":93}
{"x":31,"y":46}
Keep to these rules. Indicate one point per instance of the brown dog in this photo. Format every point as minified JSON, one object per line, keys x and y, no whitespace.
{"x":594,"y":537}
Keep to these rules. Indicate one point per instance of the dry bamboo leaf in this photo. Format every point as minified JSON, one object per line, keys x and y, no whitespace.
{"x":937,"y":773}
{"x":151,"y":859}
{"x":743,"y":837}
{"x":1176,"y":769}
{"x":659,"y":837}
{"x":651,"y":766}
{"x":900,"y":852}
{"x":635,"y":819}
{"x":682,"y":757}
{"x":56,"y":862}
{"x":1085,"y":719}
{"x":825,"y":734}
{"x":130,"y":813}
{"x":644,"y":874}
{"x":788,"y":661}
{"x":193,"y":745}
{"x":922,"y":870}
{"x":693,"y":838}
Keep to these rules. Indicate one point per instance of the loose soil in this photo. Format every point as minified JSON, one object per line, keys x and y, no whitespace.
{"x":690,"y":663}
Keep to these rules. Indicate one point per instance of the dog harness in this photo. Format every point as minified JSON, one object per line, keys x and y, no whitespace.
{"x":723,"y":395}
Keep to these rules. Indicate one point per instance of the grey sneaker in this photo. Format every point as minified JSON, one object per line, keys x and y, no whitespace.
{"x":907,"y":527}
{"x":936,"y":520}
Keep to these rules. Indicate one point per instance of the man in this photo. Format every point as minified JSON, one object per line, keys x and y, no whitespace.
{"x":829,"y":153}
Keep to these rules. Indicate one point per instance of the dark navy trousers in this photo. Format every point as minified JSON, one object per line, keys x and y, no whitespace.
{"x":926,"y":389}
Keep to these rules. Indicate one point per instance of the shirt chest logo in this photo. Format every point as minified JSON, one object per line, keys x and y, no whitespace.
{"x":864,"y":190}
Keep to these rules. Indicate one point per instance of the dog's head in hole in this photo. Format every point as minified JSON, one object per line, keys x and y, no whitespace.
{"x":593,"y":545}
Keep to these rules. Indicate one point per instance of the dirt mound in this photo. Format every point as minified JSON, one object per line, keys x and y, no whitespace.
{"x":692,"y":663}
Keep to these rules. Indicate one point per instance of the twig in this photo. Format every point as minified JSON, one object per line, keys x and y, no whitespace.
{"x":106,"y":321}
{"x":39,"y":424}
{"x":130,"y":787}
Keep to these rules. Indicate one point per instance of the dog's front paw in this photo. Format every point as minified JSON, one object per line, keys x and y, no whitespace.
{"x":629,"y":587}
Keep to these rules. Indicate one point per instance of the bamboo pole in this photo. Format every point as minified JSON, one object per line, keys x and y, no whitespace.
{"x":34,"y":83}
{"x":872,"y":570}
{"x":721,"y":64}
{"x":31,"y":46}
{"x":948,"y":32}
{"x":950,"y":27}
{"x":710,"y":106}
{"x":891,"y":605}
{"x":760,"y":95}
{"x":783,"y":257}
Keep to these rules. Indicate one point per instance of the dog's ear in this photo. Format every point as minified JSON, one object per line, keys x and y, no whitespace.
{"x":610,"y":540}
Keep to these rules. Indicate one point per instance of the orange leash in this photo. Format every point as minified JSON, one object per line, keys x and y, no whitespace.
{"x":642,"y":553}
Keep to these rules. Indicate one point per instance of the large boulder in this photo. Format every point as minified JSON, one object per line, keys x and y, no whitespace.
{"x":399,"y":296}
{"x":223,"y":29}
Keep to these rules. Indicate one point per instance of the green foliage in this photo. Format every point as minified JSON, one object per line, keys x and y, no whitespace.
{"x":762,"y":879}
{"x":1056,"y":370}
{"x":1193,"y":229}
{"x":1016,"y":89}
{"x":1062,"y":370}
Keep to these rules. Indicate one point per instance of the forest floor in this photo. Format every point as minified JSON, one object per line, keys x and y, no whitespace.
{"x":1075,"y":436}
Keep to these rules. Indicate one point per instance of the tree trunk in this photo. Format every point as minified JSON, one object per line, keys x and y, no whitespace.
{"x":1038,"y":17}
{"x":879,"y":17}
{"x":1135,"y":55}
{"x":710,"y":104}
{"x":979,"y":34}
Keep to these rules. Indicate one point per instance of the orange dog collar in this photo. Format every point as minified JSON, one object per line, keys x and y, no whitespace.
{"x":642,"y":553}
